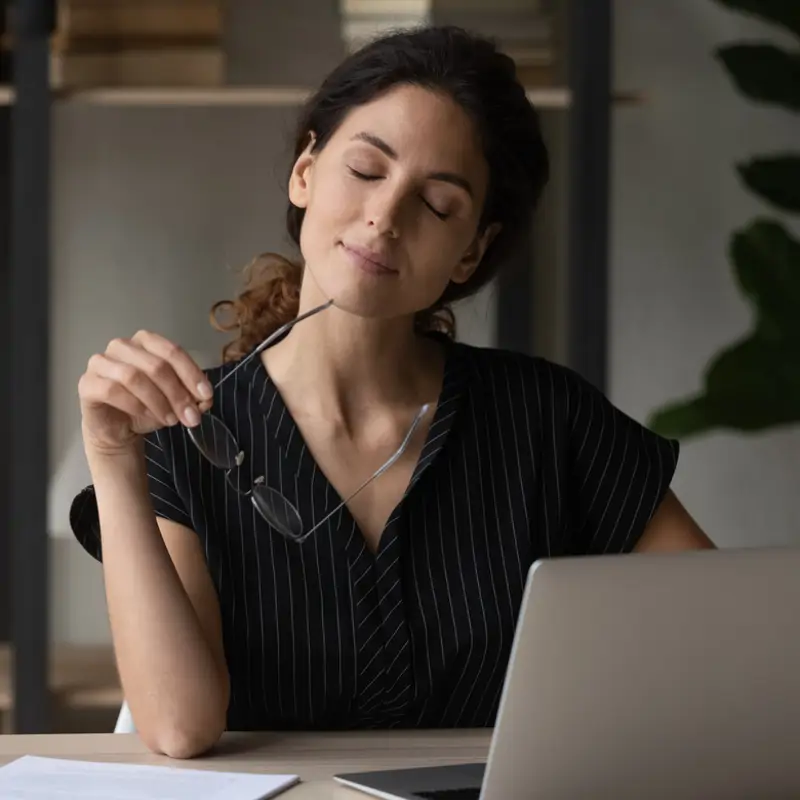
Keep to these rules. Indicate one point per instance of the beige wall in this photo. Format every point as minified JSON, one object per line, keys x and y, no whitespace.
{"x":155,"y":208}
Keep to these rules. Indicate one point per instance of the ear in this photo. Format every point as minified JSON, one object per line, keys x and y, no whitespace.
{"x":472,"y":258}
{"x":299,"y":180}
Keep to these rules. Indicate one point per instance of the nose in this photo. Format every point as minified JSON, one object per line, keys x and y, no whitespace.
{"x":383,"y":213}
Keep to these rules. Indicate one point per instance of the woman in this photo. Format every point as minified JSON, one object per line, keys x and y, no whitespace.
{"x":241,"y":591}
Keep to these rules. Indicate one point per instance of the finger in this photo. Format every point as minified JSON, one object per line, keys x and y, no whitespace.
{"x":162,"y":374}
{"x":95,"y":389}
{"x":135,"y":382}
{"x":193,"y":378}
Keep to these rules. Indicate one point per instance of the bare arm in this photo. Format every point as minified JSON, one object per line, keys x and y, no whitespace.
{"x":671,"y":529}
{"x":164,"y":614}
{"x":163,"y":609}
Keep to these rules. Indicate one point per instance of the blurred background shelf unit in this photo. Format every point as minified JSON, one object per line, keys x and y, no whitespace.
{"x":90,"y":59}
{"x":555,"y":98}
{"x":135,"y":43}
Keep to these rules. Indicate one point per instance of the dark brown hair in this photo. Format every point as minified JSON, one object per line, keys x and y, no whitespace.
{"x":479,"y":78}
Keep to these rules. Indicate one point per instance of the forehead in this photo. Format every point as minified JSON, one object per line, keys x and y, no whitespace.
{"x":426,"y":129}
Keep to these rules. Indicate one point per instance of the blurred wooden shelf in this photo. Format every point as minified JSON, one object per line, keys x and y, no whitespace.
{"x":253,"y":96}
{"x":81,"y":678}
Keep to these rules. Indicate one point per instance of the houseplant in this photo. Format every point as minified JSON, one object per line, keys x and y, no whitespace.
{"x":754,"y":383}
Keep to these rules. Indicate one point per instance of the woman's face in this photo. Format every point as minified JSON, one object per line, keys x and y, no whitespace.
{"x":392,"y":204}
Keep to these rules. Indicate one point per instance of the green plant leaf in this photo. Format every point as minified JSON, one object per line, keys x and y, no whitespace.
{"x":779,"y":12}
{"x":750,"y":386}
{"x":754,"y":385}
{"x":682,"y":419}
{"x":766,"y":262}
{"x":764,"y":73}
{"x":776,"y":179}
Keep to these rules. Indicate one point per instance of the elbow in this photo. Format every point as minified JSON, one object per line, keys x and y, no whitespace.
{"x":186,"y":735}
{"x":183,"y":742}
{"x":182,"y":746}
{"x":187,"y":729}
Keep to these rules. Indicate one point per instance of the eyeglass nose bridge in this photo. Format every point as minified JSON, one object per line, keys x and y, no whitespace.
{"x":233,"y":473}
{"x":236,"y":482}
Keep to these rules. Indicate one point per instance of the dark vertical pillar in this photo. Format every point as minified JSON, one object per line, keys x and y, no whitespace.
{"x":5,"y":382}
{"x":589,"y":43}
{"x":29,"y":298}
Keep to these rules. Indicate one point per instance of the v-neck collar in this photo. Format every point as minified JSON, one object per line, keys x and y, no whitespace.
{"x":286,"y":433}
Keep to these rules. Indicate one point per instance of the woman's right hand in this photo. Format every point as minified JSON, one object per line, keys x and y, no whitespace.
{"x":137,"y":386}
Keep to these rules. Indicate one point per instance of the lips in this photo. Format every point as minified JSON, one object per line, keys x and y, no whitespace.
{"x":369,"y":260}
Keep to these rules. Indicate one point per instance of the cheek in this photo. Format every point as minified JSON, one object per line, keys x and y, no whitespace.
{"x":334,"y":195}
{"x":323,"y":217}
{"x":435,"y":264}
{"x":444,"y":249}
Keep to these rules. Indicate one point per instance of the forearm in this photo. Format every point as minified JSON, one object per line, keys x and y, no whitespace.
{"x":174,"y":684}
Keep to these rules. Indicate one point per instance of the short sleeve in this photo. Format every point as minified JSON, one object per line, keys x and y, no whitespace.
{"x":167,"y":502}
{"x":619,"y":470}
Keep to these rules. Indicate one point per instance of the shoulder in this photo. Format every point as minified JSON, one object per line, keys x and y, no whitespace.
{"x":552,"y":396}
{"x":525,"y":378}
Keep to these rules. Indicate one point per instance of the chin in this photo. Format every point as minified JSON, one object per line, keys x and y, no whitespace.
{"x":365,"y":292}
{"x":369,"y":305}
{"x":362,"y":295}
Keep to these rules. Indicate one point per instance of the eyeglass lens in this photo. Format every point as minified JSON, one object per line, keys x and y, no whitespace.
{"x":213,"y":439}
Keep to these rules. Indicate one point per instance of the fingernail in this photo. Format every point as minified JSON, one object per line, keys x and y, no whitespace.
{"x":204,"y":390}
{"x":191,"y":416}
{"x":172,"y":420}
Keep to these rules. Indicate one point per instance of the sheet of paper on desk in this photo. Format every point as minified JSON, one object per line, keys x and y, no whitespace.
{"x":35,"y":778}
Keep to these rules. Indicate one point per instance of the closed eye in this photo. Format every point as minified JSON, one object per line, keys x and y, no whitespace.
{"x":365,"y":177}
{"x":440,"y":214}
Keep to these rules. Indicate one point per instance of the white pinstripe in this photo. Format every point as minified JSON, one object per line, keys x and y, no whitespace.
{"x":322,"y":600}
{"x":492,"y":583}
{"x":276,"y":603}
{"x":255,"y":521}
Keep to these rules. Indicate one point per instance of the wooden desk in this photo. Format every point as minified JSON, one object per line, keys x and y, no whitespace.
{"x":314,"y":757}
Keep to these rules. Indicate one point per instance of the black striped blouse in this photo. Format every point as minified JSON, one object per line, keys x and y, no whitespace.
{"x":523,"y":460}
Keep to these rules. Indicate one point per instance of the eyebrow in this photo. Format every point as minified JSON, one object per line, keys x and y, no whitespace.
{"x":388,"y":150}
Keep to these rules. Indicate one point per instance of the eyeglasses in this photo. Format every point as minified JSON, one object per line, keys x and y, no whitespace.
{"x":219,"y":446}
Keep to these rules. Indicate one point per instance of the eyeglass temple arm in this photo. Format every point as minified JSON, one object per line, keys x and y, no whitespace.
{"x":399,"y":452}
{"x":273,"y":336}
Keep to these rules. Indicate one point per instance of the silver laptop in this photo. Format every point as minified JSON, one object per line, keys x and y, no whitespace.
{"x":643,"y":675}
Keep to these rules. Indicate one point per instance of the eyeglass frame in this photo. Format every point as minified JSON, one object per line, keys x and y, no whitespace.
{"x":261,"y":480}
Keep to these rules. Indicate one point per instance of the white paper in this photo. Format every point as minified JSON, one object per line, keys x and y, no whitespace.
{"x":35,"y":778}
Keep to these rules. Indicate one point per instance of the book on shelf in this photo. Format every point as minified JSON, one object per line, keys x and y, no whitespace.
{"x":498,"y":24}
{"x":164,"y":67}
{"x":91,"y":25}
{"x":146,"y":43}
{"x":519,"y":39}
{"x":195,"y":20}
{"x":420,"y":7}
{"x":536,"y":76}
{"x":360,"y":31}
{"x":521,"y":28}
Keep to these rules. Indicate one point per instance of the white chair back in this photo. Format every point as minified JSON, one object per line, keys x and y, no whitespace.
{"x":124,"y":721}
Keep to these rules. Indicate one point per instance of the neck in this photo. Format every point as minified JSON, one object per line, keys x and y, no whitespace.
{"x":343,"y":366}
